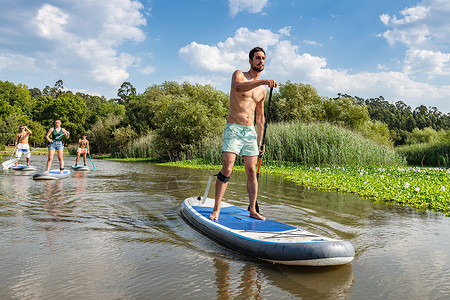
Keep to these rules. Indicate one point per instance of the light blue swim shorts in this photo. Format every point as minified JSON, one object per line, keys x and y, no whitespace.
{"x":56,"y":145}
{"x":240,"y":139}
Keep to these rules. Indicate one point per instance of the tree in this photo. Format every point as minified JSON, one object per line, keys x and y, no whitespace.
{"x":17,"y":96}
{"x":296,"y":102}
{"x":126,"y":92}
{"x":346,"y":112}
{"x":35,"y":93}
{"x":71,"y":109}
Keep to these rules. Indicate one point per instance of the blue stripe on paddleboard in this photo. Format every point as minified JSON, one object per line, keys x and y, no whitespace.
{"x":237,"y":218}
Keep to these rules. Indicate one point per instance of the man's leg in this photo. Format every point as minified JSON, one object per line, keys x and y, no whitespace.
{"x":84,"y":156}
{"x":28,"y":157}
{"x":18,"y":155}
{"x":228,"y":159}
{"x":252,"y":185}
{"x":78,"y":157}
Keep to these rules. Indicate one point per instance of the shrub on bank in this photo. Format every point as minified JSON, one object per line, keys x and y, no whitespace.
{"x":431,"y":154}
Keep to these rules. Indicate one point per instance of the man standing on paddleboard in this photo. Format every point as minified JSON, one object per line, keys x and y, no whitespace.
{"x":22,"y":144}
{"x":247,"y":95}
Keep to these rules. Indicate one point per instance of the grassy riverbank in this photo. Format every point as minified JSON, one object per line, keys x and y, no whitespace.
{"x":41,"y":151}
{"x":421,"y":188}
{"x":129,"y":159}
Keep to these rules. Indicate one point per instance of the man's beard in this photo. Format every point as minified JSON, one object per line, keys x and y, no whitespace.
{"x":258,"y":68}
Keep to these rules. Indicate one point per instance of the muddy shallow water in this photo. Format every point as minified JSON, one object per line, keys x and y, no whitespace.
{"x":117,"y":233}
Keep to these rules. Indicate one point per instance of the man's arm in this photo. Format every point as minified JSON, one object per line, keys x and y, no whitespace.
{"x":28,"y":130}
{"x":260,"y":119}
{"x":241,"y":84}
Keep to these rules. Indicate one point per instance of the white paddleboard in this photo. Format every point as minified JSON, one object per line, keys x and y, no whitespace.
{"x":80,"y":168}
{"x":53,"y":174}
{"x":23,"y":168}
{"x":267,"y":240}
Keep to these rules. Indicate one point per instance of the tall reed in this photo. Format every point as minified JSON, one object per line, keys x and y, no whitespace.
{"x":142,"y":147}
{"x":313,"y":144}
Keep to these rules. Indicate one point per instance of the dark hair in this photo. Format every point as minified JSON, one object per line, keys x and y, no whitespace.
{"x":58,"y":120}
{"x":254,"y":50}
{"x":84,"y":134}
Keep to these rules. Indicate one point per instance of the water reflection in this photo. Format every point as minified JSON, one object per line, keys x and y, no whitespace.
{"x":21,"y":186}
{"x":53,"y":205}
{"x":315,"y":283}
{"x":325,"y":283}
{"x":250,"y":281}
{"x":117,"y":234}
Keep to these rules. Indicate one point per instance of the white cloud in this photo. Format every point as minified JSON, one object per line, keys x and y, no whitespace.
{"x":147,"y":70}
{"x":427,"y":62}
{"x":253,"y":6}
{"x":285,"y":62}
{"x":410,"y":15}
{"x":225,"y":57}
{"x":87,"y":37}
{"x":423,"y":25}
{"x":50,"y":22}
{"x":213,"y":80}
{"x":313,"y":43}
{"x":17,"y":62}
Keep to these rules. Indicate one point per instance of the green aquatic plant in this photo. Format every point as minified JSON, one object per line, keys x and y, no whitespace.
{"x":421,"y":188}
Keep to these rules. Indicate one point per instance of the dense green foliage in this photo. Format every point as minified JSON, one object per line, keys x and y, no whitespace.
{"x":173,"y":121}
{"x":427,"y":148}
{"x":39,"y":109}
{"x":402,"y":120}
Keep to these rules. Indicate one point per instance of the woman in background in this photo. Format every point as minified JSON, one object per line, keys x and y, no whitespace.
{"x":55,"y":141}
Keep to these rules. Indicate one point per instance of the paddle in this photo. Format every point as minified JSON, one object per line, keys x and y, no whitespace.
{"x":11,"y":162}
{"x":262,"y":144}
{"x":90,"y":157}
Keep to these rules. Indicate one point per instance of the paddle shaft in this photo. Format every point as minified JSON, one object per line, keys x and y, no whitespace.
{"x":90,"y":157}
{"x":261,"y":153}
{"x":10,"y":162}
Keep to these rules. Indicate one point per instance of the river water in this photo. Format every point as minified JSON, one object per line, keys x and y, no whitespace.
{"x":117,"y":233}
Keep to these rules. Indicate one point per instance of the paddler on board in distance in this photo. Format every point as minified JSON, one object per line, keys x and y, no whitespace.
{"x":83,"y":148}
{"x":247,"y":95}
{"x":21,"y":143}
{"x":56,"y":144}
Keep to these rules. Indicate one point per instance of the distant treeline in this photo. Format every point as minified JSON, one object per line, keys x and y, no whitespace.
{"x":171,"y":121}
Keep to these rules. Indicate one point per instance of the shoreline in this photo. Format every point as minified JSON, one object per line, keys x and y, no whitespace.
{"x":423,"y":188}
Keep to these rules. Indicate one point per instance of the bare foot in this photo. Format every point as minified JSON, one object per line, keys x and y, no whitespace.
{"x":256,"y":215}
{"x":214,"y":215}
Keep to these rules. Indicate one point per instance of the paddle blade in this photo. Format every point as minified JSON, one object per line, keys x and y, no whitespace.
{"x":9,"y":163}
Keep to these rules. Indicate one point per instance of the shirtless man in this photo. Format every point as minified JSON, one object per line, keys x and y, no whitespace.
{"x":22,"y":143}
{"x":247,"y":95}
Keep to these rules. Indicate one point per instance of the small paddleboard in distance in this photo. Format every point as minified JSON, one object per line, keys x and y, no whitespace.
{"x":53,"y":174}
{"x":23,"y":168}
{"x":80,"y":168}
{"x":267,"y":240}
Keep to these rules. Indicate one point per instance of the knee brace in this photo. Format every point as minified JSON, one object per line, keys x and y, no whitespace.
{"x":222,"y":177}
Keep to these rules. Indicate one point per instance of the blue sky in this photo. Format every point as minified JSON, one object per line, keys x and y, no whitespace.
{"x":395,"y":49}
